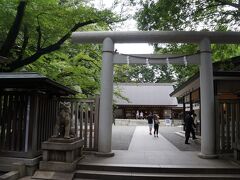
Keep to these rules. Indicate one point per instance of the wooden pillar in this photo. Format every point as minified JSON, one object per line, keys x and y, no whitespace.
{"x":190,"y":101}
{"x":124,"y":113}
{"x":33,"y":123}
{"x":184,"y":113}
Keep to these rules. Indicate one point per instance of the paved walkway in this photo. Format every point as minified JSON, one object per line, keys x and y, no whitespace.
{"x":146,"y":150}
{"x":122,"y":136}
{"x":176,"y":136}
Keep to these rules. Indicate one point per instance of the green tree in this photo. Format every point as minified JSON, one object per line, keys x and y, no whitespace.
{"x":188,"y":14}
{"x":122,"y":73}
{"x":32,"y":29}
{"x":215,"y":15}
{"x":143,"y":74}
{"x":34,"y":36}
{"x":81,"y":72}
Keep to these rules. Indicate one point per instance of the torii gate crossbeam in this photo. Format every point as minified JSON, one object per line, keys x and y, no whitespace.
{"x":156,"y":37}
{"x":155,"y":59}
{"x":204,"y":39}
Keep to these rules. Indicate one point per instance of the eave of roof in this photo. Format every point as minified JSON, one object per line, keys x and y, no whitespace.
{"x":234,"y":60}
{"x":34,"y":81}
{"x":217,"y":75}
{"x":189,"y":81}
{"x":146,"y":106}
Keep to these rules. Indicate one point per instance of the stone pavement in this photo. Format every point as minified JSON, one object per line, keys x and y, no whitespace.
{"x":146,"y":150}
{"x":122,"y":136}
{"x":176,"y":136}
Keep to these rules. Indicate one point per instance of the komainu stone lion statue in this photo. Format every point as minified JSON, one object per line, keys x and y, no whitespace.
{"x":63,"y":122}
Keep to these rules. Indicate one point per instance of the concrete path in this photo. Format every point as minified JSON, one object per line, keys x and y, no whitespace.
{"x":122,"y":136}
{"x":142,"y":141}
{"x":176,"y":136}
{"x":146,"y":150}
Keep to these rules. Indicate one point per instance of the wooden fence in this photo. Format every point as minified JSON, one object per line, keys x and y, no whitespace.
{"x":85,"y":120}
{"x":27,"y":119}
{"x":227,"y":125}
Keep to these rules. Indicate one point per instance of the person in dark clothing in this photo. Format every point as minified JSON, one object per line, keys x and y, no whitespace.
{"x":150,"y":122}
{"x":189,"y":124}
{"x":194,"y":125}
{"x":156,"y":125}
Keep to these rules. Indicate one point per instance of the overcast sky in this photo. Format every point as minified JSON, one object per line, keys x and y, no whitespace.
{"x":129,"y":25}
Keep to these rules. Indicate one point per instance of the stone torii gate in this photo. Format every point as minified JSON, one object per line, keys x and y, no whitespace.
{"x":204,"y":39}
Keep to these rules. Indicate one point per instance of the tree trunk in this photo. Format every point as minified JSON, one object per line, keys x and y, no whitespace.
{"x":28,"y":60}
{"x":14,"y":30}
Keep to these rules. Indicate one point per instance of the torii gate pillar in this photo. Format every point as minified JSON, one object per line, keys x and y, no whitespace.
{"x":208,"y":144}
{"x":106,"y":97}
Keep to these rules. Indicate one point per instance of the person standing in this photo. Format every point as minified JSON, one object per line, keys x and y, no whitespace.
{"x":156,"y":125}
{"x":189,"y":124}
{"x":193,"y":125}
{"x":137,"y":114}
{"x":141,"y":115}
{"x":150,"y":122}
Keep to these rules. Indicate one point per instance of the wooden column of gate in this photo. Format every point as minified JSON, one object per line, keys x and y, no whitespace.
{"x":85,"y":115}
{"x":227,"y":125}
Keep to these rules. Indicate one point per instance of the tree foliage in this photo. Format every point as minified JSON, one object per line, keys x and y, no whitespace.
{"x":143,"y":73}
{"x":34,"y":36}
{"x":205,"y":15}
{"x":81,"y":72}
{"x":31,"y":29}
{"x":188,"y":15}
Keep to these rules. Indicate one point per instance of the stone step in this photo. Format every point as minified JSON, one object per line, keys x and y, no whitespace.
{"x":90,"y":174}
{"x":5,"y":167}
{"x":157,"y":169}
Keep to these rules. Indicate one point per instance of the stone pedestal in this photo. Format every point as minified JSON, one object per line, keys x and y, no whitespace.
{"x":236,"y":149}
{"x":236,"y":154}
{"x":25,"y":166}
{"x":61,"y":154}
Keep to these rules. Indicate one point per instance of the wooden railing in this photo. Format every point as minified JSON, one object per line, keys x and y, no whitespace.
{"x":85,"y":120}
{"x":46,"y":118}
{"x":227,"y":125}
{"x":27,"y":119}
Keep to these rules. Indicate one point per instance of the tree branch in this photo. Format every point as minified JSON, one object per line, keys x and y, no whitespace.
{"x":87,"y":60}
{"x":17,"y":64}
{"x":14,"y":30}
{"x":235,"y":5}
{"x":218,"y":3}
{"x":25,"y":42}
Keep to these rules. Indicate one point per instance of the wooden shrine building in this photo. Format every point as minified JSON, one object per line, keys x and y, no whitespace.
{"x":226,"y":79}
{"x":143,"y":98}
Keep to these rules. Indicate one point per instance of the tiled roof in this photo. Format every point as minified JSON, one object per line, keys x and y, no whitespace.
{"x":33,"y":81}
{"x":145,"y":94}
